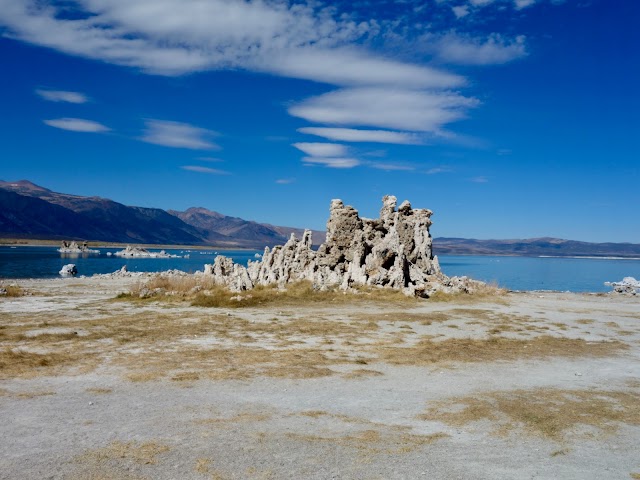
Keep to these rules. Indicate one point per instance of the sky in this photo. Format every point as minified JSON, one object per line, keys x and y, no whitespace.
{"x":507,"y":118}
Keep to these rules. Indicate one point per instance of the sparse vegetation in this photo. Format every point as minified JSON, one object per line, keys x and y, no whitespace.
{"x":551,"y":413}
{"x":429,"y":351}
{"x":11,"y":291}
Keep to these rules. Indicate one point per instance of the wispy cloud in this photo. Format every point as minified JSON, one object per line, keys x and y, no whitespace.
{"x":391,"y":166}
{"x":77,"y":125}
{"x":480,"y":179}
{"x":322,"y":149}
{"x":173,"y":37}
{"x":460,"y":11}
{"x":199,"y":169}
{"x":62,"y":96}
{"x":520,"y":4}
{"x":285,"y":181}
{"x":494,"y":50}
{"x":439,"y":169}
{"x":332,"y":162}
{"x":358,"y":135}
{"x":178,"y":135}
{"x":412,"y":110}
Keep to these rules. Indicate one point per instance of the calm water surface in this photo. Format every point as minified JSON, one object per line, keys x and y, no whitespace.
{"x":517,"y":273}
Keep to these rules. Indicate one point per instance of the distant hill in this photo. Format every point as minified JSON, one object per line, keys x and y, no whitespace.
{"x":31,"y":211}
{"x":28,"y":210}
{"x":534,"y":247}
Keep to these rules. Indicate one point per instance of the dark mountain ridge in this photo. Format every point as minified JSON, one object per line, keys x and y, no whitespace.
{"x":28,"y":210}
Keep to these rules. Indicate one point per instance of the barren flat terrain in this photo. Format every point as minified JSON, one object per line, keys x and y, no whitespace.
{"x":520,"y":385}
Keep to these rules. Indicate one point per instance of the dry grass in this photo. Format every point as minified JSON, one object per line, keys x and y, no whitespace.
{"x":550,"y":413}
{"x":488,"y":292}
{"x":41,"y":393}
{"x":202,"y":466}
{"x":391,"y":441}
{"x":145,"y":453}
{"x":98,"y":391}
{"x":492,"y":349}
{"x":426,"y":318}
{"x":585,"y":321}
{"x":297,"y":294}
{"x":13,"y":291}
{"x":362,"y":373}
{"x":20,"y":363}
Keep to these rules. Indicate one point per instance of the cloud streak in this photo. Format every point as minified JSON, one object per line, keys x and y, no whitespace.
{"x":178,"y":135}
{"x":199,"y":169}
{"x":62,"y":96}
{"x":357,"y":135}
{"x":77,"y":125}
{"x":494,"y":50}
{"x":420,"y":111}
{"x":174,"y":37}
{"x":322,"y":149}
{"x":332,"y":162}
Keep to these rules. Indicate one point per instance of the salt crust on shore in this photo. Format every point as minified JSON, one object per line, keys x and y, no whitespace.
{"x":361,"y":421}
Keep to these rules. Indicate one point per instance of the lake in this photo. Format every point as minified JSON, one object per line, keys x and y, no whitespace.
{"x":516,"y":273}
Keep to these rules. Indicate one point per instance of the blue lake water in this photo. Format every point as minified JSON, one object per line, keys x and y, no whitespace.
{"x":516,"y":273}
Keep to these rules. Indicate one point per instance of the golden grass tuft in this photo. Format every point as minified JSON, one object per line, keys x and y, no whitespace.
{"x":39,"y":393}
{"x":487,"y":292}
{"x":98,"y":390}
{"x":547,"y":412}
{"x":297,"y":294}
{"x":388,"y":441}
{"x":20,"y":363}
{"x":13,"y":291}
{"x":492,"y":349}
{"x":144,"y":453}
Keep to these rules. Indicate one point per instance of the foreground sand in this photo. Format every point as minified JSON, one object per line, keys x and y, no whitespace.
{"x":531,"y":385}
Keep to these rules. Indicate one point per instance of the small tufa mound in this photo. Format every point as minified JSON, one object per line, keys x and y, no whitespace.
{"x":393,"y":251}
{"x":69,"y":270}
{"x":628,"y":286}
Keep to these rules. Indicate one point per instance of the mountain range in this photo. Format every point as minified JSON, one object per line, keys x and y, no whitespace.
{"x":30,"y":211}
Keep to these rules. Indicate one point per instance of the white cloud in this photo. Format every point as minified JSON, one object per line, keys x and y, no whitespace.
{"x":480,"y":179}
{"x":77,"y":125}
{"x":322,"y":149}
{"x":391,"y":166}
{"x":173,"y":37}
{"x":520,"y":4}
{"x":285,"y":181}
{"x":460,"y":11}
{"x":211,"y":171}
{"x":62,"y":96}
{"x":495,"y":49}
{"x":332,"y":162}
{"x":356,"y":135}
{"x":178,"y":135}
{"x":440,"y":169}
{"x":387,"y":108}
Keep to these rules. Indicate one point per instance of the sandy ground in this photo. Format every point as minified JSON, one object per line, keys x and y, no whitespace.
{"x":529,"y":385}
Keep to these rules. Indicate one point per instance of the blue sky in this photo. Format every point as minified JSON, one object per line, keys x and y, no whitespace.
{"x":507,"y":118}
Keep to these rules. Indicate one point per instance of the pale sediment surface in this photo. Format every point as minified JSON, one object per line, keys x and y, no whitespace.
{"x":531,"y":385}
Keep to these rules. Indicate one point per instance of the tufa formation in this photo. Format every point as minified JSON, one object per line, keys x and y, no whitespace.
{"x":393,"y":251}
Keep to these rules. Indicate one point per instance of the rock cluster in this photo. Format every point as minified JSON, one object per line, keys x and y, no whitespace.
{"x":393,"y":251}
{"x":73,"y":247}
{"x":628,"y":286}
{"x":141,"y":252}
{"x":69,"y":270}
